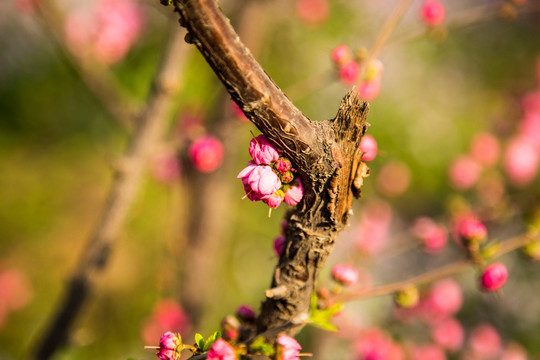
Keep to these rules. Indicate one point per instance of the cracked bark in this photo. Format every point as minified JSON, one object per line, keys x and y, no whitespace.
{"x":325,"y":153}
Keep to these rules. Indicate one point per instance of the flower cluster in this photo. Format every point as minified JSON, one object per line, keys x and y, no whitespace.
{"x":269,"y":177}
{"x":348,"y":67}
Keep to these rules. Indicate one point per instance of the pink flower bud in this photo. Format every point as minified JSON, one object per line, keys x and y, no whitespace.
{"x":206,"y":153}
{"x":283,"y":165}
{"x":245,"y":312}
{"x":341,"y":54}
{"x":432,"y":235}
{"x":273,"y":200}
{"x":259,"y":179}
{"x":279,"y":242}
{"x":286,"y":177}
{"x":485,"y":148}
{"x":521,"y":161}
{"x":494,"y":277}
{"x":230,"y":328}
{"x":168,"y":346}
{"x":376,"y":344}
{"x":288,"y":348}
{"x":294,"y":194}
{"x":433,"y":12}
{"x":221,"y":350}
{"x":345,"y":274}
{"x":464,"y":172}
{"x":349,"y":72}
{"x":368,"y":146}
{"x":443,"y":300}
{"x":369,"y":90}
{"x":448,"y":333}
{"x":485,"y":342}
{"x":312,"y":11}
{"x":261,"y":151}
{"x":469,"y":229}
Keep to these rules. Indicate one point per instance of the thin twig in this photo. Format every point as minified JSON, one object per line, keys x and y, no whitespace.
{"x":127,"y":180}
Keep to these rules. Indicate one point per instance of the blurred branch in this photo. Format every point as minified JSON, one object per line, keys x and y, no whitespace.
{"x":126,"y":183}
{"x":435,"y":274}
{"x":98,"y":80}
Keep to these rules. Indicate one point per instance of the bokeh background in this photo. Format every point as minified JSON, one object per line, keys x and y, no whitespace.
{"x":59,"y":145}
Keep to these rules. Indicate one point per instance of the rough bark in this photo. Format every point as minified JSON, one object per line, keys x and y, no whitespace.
{"x":325,"y":153}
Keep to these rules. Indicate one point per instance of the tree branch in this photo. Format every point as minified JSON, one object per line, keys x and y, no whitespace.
{"x":127,"y":179}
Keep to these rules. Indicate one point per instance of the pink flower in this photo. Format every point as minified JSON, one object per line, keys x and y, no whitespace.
{"x":15,"y":290}
{"x":374,"y":344}
{"x":469,"y":229}
{"x":432,"y":235}
{"x":448,"y":333}
{"x":312,"y":11}
{"x":288,"y":348}
{"x":433,"y":12}
{"x":345,"y":274}
{"x":263,"y":180}
{"x":261,"y":151}
{"x":349,"y":72}
{"x":443,"y":300}
{"x":485,"y":148}
{"x":283,"y":165}
{"x":514,"y":351}
{"x":294,"y":194}
{"x":494,"y":277}
{"x":279,"y":242}
{"x":368,"y":90}
{"x":393,"y":179}
{"x":521,"y":161}
{"x":245,"y":312}
{"x":464,"y":172}
{"x":485,"y":342}
{"x":168,"y":345}
{"x":529,"y":128}
{"x":341,"y":54}
{"x":221,"y":350}
{"x":273,"y":200}
{"x":372,"y":232}
{"x":167,"y":315}
{"x":368,"y":146}
{"x":206,"y":153}
{"x":427,"y":352}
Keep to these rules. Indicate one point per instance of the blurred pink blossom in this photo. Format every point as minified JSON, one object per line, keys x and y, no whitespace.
{"x":348,"y":72}
{"x":484,"y":342}
{"x":393,"y":179}
{"x":427,"y":352}
{"x":443,"y":300}
{"x":288,"y":348}
{"x":26,"y":6}
{"x":221,"y":350}
{"x":206,"y":153}
{"x":372,"y":231}
{"x":485,"y":148}
{"x":165,"y":166}
{"x":369,"y":90}
{"x":493,"y":277}
{"x":521,"y":160}
{"x":514,"y":351}
{"x":529,"y":129}
{"x":448,"y":333}
{"x":432,"y":12}
{"x":341,"y":55}
{"x":279,"y":242}
{"x":239,"y":113}
{"x":245,"y":312}
{"x":374,"y":344}
{"x":464,"y":172}
{"x":433,"y":236}
{"x":345,"y":274}
{"x":167,"y":315}
{"x":467,"y":228}
{"x":312,"y":11}
{"x":368,"y":145}
{"x":15,"y":290}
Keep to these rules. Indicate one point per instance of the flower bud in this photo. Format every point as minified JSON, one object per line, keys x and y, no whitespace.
{"x":345,"y":274}
{"x":494,"y":277}
{"x":170,"y":346}
{"x":341,"y":54}
{"x":349,"y":72}
{"x":433,"y":12}
{"x":368,"y":146}
{"x":283,"y":165}
{"x":279,"y":242}
{"x":206,"y":154}
{"x":246,"y":313}
{"x":262,"y":152}
{"x":470,"y":230}
{"x":407,"y":297}
{"x":287,"y":348}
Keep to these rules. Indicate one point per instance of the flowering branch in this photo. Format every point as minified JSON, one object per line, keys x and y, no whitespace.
{"x":127,"y":179}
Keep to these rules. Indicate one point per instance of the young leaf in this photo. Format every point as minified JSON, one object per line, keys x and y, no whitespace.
{"x":259,"y":346}
{"x":211,"y":340}
{"x":199,"y":340}
{"x":321,"y":318}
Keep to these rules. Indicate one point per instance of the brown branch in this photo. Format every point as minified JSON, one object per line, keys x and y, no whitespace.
{"x":325,"y":153}
{"x":127,"y":179}
{"x":97,"y":79}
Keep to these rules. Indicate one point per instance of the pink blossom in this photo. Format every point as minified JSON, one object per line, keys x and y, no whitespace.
{"x":312,"y":11}
{"x":273,"y":200}
{"x":168,"y":344}
{"x":494,"y":277}
{"x":368,"y":145}
{"x":261,"y":179}
{"x":348,"y":72}
{"x":485,"y":148}
{"x":15,"y":290}
{"x":245,"y":312}
{"x":393,"y":179}
{"x":288,"y":348}
{"x":443,"y":300}
{"x":165,"y":167}
{"x":485,"y":342}
{"x":80,"y":30}
{"x":369,"y":90}
{"x":434,"y":236}
{"x":239,"y":113}
{"x":26,"y":6}
{"x":167,"y":315}
{"x":261,"y":151}
{"x":514,"y":351}
{"x":283,"y":165}
{"x":221,"y":350}
{"x":427,"y":352}
{"x":529,"y":129}
{"x":448,"y":333}
{"x":467,"y":229}
{"x":345,"y":274}
{"x":374,"y":344}
{"x":433,"y":12}
{"x":521,"y":161}
{"x":372,"y":231}
{"x":279,"y":242}
{"x":206,"y":153}
{"x":294,"y":194}
{"x":341,"y":54}
{"x":531,"y":102}
{"x":464,"y":172}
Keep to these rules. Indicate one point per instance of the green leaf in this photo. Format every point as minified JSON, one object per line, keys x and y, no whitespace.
{"x":211,"y":340}
{"x":199,"y":340}
{"x":259,"y":346}
{"x":321,"y":317}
